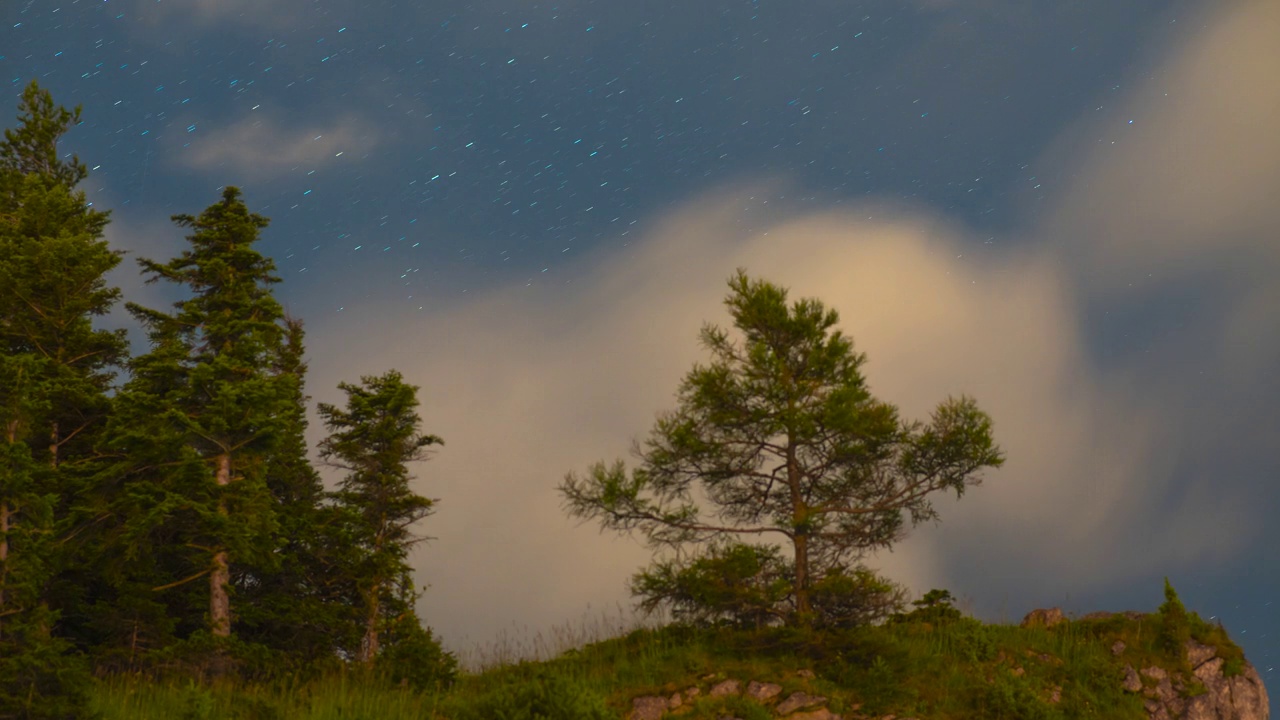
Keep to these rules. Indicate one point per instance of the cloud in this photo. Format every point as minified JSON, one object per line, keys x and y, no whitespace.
{"x":260,"y":146}
{"x":529,"y":383}
{"x":1103,"y":480}
{"x":277,"y":14}
{"x":1182,"y":176}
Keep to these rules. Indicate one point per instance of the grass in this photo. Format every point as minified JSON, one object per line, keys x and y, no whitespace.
{"x":948,"y":670}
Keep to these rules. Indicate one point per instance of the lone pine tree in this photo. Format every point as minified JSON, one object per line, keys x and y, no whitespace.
{"x":373,"y":439}
{"x":211,"y":392}
{"x":784,"y":440}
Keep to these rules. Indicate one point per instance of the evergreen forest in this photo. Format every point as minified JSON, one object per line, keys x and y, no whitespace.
{"x":158,"y":511}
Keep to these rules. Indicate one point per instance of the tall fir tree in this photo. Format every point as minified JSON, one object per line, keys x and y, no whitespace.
{"x":57,"y":369}
{"x":300,"y":604}
{"x":374,"y":439}
{"x":212,"y":399}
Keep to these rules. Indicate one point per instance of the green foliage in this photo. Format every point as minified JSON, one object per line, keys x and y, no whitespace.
{"x":299,"y":601}
{"x":934,"y":607}
{"x":196,"y":427}
{"x":374,"y":439}
{"x":841,"y":598}
{"x":54,"y":372}
{"x":414,"y":657}
{"x":39,"y":677}
{"x":740,"y":585}
{"x":1175,"y":625}
{"x":753,"y":586}
{"x":540,"y":696}
{"x":783,"y":438}
{"x":31,"y":149}
{"x":1009,"y":698}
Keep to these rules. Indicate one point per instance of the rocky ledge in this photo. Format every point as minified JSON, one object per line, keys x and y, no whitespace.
{"x":795,"y":706}
{"x":1167,"y":695}
{"x":1242,"y":697}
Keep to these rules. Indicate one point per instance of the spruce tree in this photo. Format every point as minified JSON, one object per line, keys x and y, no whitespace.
{"x":212,"y":395}
{"x":57,"y":369}
{"x":300,"y":604}
{"x":374,"y":439}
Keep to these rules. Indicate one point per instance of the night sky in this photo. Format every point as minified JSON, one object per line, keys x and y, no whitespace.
{"x":1066,"y":210}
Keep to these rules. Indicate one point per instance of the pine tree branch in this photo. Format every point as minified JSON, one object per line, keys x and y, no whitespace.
{"x":185,"y":580}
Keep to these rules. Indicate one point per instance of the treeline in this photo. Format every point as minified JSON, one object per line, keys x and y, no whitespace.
{"x":158,"y":512}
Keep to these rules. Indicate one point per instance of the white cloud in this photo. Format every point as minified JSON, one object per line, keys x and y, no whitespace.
{"x":1181,"y":176}
{"x":261,"y":146}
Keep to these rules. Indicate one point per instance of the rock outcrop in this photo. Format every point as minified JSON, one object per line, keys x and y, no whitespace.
{"x":1242,"y":697}
{"x":1043,"y":618}
{"x":798,"y":705}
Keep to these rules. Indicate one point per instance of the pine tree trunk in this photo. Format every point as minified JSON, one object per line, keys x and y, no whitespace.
{"x":53,"y":447}
{"x":803,"y":609}
{"x":11,"y":437}
{"x":801,"y":540}
{"x":219,"y":601}
{"x":4,"y":550}
{"x":369,"y":644}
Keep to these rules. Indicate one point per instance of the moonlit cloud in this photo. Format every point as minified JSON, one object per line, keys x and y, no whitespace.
{"x":261,"y":146}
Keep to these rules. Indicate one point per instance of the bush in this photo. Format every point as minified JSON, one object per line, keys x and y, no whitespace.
{"x":1007,"y":698}
{"x":753,"y":586}
{"x":413,"y":656}
{"x":739,"y":585}
{"x":843,"y":599}
{"x":1175,"y":625}
{"x":40,"y":678}
{"x":545,"y":696}
{"x":935,"y":607}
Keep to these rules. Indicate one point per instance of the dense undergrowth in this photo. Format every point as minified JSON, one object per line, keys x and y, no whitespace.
{"x":925,"y":664}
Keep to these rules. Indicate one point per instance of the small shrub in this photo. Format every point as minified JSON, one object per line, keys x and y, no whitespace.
{"x":1008,"y":698}
{"x":1175,"y":625}
{"x":935,"y":608}
{"x":198,"y":703}
{"x":415,"y":657}
{"x":736,"y":585}
{"x":540,"y":697}
{"x":1233,"y":666}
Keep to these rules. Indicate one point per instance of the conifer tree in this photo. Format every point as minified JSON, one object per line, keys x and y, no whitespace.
{"x":374,"y":439}
{"x":211,"y":394}
{"x":785,"y":441}
{"x":53,"y":263}
{"x":300,"y":604}
{"x":56,"y":370}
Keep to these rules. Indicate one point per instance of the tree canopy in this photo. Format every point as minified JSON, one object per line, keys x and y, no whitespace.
{"x":779,"y":438}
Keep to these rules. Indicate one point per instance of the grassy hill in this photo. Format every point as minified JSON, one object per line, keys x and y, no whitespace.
{"x":931,"y":667}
